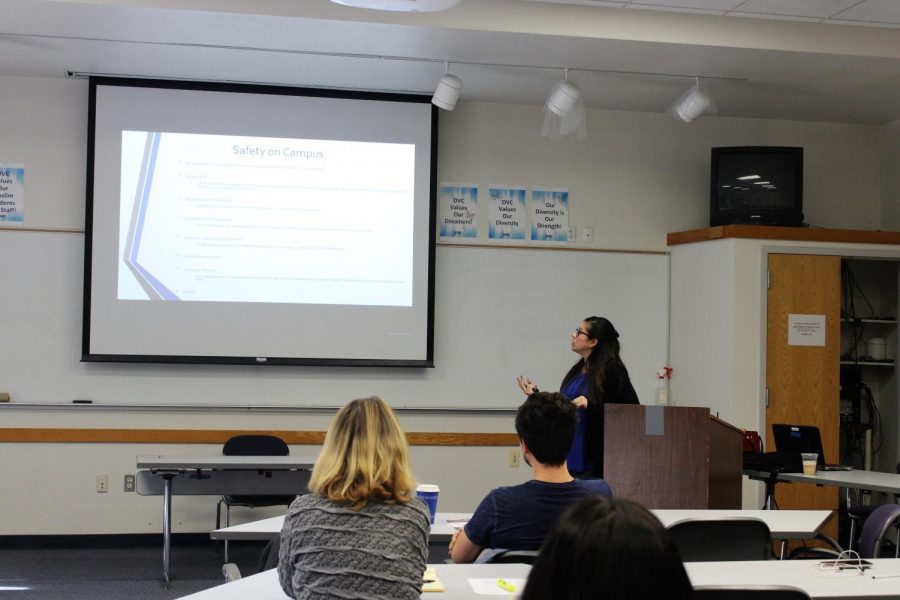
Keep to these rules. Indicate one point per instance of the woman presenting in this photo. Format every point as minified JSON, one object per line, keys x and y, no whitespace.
{"x":598,"y":378}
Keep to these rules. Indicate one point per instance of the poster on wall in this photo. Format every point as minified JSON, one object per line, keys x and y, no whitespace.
{"x":549,"y":215}
{"x":12,"y":194}
{"x":459,"y":210}
{"x":507,"y":213}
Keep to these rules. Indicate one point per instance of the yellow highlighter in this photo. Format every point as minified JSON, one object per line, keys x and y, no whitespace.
{"x":506,"y":585}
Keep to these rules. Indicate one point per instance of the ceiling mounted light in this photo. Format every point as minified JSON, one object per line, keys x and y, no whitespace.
{"x":692,"y":103}
{"x":447,"y":91}
{"x":400,"y":5}
{"x":564,"y":111}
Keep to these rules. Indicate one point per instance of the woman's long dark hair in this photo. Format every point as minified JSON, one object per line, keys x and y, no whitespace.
{"x":604,"y":356}
{"x":611,"y":549}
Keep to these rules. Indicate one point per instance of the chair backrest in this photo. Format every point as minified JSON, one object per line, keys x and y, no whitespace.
{"x":755,"y":592}
{"x":514,"y":556}
{"x":255,"y":445}
{"x":875,"y":527}
{"x":722,"y":539}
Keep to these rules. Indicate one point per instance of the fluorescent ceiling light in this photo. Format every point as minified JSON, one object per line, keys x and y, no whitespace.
{"x":400,"y":5}
{"x":762,"y":182}
{"x":746,"y":177}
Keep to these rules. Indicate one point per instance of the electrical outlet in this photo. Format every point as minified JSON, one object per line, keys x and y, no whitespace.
{"x":587,"y":235}
{"x":129,"y":483}
{"x":102,"y":484}
{"x":573,"y":233}
{"x":514,"y":458}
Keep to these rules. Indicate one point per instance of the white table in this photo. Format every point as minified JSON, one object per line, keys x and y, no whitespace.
{"x":797,"y":573}
{"x":265,"y":586}
{"x":863,"y":480}
{"x":784,"y":524}
{"x":270,"y":529}
{"x":216,"y":475}
{"x":802,"y":574}
{"x":856,"y":479}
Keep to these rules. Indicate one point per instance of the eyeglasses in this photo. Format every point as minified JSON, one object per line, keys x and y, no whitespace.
{"x":580,"y":331}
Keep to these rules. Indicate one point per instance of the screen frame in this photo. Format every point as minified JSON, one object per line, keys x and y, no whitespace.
{"x":757,"y":216}
{"x":88,"y":356}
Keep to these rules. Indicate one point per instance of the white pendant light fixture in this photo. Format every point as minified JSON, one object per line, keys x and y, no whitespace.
{"x":447,"y":91}
{"x":692,"y":103}
{"x":400,"y":5}
{"x":564,"y":111}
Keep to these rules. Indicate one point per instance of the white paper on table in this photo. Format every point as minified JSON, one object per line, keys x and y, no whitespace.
{"x":489,"y":587}
{"x":457,"y":523}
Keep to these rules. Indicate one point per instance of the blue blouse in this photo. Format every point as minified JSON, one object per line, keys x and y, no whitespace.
{"x":578,"y":386}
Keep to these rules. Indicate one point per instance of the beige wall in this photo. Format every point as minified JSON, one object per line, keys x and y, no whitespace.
{"x":634,"y":179}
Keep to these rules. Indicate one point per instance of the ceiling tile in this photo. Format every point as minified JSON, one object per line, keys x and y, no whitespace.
{"x":774,"y":17}
{"x":702,"y":5}
{"x":672,"y":9}
{"x":873,"y":11}
{"x":796,"y":8}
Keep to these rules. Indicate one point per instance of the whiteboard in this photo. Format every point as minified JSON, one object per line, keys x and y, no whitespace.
{"x":499,"y":312}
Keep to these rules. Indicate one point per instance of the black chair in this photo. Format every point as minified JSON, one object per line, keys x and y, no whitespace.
{"x":722,"y":539}
{"x":857,"y":512}
{"x":251,"y":445}
{"x":501,"y":555}
{"x":760,"y":592}
{"x":874,"y":531}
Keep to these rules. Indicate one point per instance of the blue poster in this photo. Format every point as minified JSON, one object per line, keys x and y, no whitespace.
{"x":459,"y":211}
{"x":549,"y":215}
{"x":507,"y":212}
{"x":12,"y":194}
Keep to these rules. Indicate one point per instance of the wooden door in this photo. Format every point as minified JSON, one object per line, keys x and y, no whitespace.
{"x":803,"y":381}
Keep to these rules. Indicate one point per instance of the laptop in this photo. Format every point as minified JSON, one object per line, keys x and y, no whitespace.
{"x":794,"y":439}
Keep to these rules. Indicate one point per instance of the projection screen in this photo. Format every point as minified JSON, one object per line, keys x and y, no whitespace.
{"x":258,"y":225}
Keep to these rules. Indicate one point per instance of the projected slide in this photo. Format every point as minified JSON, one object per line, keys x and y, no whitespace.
{"x":221,"y":218}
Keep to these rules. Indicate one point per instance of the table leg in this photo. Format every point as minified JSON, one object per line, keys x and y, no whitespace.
{"x":167,"y":526}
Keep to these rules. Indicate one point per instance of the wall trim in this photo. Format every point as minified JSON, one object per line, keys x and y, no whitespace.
{"x":219,"y":436}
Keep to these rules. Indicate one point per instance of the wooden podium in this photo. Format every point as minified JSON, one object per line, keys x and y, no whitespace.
{"x":672,"y":456}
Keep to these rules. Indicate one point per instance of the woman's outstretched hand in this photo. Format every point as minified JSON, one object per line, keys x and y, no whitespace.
{"x":526,"y":385}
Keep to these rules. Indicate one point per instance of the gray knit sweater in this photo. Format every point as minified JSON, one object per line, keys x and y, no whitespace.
{"x":329,"y":551}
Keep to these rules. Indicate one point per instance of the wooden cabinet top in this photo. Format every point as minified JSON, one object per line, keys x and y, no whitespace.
{"x":799,"y":234}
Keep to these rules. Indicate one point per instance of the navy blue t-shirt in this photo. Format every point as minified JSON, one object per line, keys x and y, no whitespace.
{"x":519,"y":517}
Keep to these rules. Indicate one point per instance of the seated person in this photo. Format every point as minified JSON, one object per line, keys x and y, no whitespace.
{"x":519,"y":517}
{"x":361,"y":533}
{"x":613,"y":549}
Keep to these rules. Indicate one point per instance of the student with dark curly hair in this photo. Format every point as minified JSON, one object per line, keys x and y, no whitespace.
{"x":519,"y":517}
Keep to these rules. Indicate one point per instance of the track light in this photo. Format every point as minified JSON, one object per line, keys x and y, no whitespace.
{"x":563,"y":98}
{"x":448,"y":90}
{"x":564,"y":111}
{"x":692,"y":103}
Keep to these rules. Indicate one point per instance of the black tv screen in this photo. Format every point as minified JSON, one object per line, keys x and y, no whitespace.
{"x":760,"y":185}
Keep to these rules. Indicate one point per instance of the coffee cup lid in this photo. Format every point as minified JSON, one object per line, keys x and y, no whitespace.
{"x":427,"y":487}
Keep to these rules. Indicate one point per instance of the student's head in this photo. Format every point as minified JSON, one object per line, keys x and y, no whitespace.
{"x":546,"y":423}
{"x":365,"y":456}
{"x":606,"y":336}
{"x":610,"y":548}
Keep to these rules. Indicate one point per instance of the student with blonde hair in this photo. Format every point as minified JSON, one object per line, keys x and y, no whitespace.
{"x":361,"y":533}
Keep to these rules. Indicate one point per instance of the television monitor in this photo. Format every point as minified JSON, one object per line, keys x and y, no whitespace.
{"x":756,"y":185}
